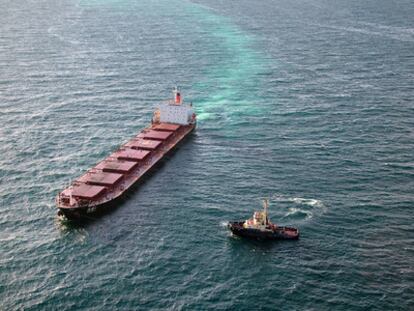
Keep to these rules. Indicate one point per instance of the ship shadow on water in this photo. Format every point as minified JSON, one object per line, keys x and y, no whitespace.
{"x":87,"y":220}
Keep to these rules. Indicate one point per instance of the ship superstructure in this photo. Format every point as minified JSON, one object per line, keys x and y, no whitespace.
{"x":101,"y":186}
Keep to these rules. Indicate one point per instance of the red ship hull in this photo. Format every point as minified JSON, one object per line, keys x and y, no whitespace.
{"x":104,"y":187}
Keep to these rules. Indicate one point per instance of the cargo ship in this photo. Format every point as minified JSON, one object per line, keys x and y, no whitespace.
{"x":259,"y":227}
{"x":102,"y":186}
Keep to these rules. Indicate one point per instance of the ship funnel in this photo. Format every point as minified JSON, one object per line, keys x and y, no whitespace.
{"x":177,"y":95}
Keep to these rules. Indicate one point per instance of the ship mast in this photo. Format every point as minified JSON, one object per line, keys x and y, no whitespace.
{"x":266,"y":206}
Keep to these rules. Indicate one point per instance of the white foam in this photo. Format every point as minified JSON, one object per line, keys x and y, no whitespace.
{"x":310,"y":202}
{"x":204,"y":116}
{"x":295,"y":210}
{"x":223,"y":223}
{"x":309,"y":207}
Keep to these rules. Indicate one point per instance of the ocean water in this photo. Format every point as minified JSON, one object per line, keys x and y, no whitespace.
{"x":309,"y":103}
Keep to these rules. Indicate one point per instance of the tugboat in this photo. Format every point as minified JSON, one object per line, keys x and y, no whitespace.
{"x":259,"y":227}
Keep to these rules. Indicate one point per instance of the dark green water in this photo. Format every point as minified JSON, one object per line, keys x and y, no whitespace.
{"x":309,"y":103}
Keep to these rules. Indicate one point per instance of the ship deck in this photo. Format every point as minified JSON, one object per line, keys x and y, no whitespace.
{"x":131,"y":162}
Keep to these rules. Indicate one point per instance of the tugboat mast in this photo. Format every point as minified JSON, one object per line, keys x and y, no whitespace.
{"x":266,"y":206}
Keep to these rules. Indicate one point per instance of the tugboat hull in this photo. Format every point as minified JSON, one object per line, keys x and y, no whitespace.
{"x":276,"y":233}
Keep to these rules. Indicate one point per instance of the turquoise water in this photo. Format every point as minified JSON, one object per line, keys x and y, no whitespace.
{"x":309,"y":103}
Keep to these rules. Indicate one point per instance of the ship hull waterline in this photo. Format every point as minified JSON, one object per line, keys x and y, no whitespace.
{"x":91,"y":212}
{"x":282,"y":233}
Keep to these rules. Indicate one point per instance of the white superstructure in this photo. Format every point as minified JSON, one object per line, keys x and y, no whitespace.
{"x":260,"y":219}
{"x":175,"y":112}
